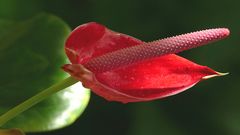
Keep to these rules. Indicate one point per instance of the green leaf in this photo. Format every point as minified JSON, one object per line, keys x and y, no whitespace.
{"x":11,"y":132}
{"x":31,"y":54}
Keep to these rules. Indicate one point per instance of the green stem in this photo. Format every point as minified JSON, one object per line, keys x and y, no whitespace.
{"x":36,"y":99}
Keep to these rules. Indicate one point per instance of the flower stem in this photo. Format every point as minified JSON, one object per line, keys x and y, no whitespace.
{"x":36,"y":99}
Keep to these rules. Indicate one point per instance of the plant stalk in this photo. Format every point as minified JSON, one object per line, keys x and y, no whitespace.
{"x":36,"y":99}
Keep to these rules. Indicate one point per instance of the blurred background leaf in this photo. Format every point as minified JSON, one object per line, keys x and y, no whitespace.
{"x":211,"y":107}
{"x":31,"y":54}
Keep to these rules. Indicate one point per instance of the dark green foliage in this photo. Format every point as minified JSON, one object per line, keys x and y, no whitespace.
{"x":31,"y":54}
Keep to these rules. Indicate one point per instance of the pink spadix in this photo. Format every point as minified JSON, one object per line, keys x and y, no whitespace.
{"x":171,"y":45}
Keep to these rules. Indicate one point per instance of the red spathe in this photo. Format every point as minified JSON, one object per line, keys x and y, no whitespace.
{"x":146,"y":80}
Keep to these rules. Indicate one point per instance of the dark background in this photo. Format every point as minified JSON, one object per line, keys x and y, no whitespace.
{"x":211,"y":107}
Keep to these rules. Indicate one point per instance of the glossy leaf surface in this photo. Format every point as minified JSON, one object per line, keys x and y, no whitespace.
{"x":31,"y":53}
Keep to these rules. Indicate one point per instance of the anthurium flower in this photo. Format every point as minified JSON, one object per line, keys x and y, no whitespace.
{"x":121,"y":68}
